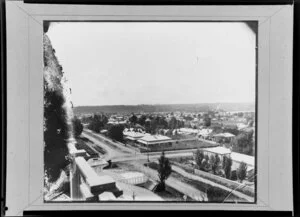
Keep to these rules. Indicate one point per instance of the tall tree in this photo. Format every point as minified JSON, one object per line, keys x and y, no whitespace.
{"x":206,"y":166}
{"x":173,"y":123}
{"x":164,"y":171}
{"x":116,"y":132}
{"x":199,"y":158}
{"x":141,"y":120}
{"x":77,"y":127}
{"x":227,"y":163}
{"x":56,"y":129}
{"x":153,"y":126}
{"x":215,"y":162}
{"x":207,"y":121}
{"x":241,"y":172}
{"x":133,"y":119}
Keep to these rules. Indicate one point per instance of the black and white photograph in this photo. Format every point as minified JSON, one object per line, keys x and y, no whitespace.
{"x":149,"y":107}
{"x":150,"y":111}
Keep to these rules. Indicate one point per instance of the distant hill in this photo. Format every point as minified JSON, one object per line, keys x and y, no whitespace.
{"x":201,"y":107}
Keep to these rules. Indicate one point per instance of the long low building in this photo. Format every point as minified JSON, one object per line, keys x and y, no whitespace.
{"x":150,"y":140}
{"x":133,"y":136}
{"x":237,"y":158}
{"x":220,"y":151}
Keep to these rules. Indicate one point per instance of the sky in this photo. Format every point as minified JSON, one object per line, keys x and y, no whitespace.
{"x":130,"y":63}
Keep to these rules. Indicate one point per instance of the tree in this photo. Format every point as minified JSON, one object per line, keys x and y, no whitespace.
{"x":164,"y":171}
{"x":250,"y":123}
{"x":199,"y":158}
{"x":153,"y":126}
{"x":215,"y":163}
{"x":97,"y":122}
{"x":240,"y":114}
{"x":207,"y":121}
{"x":241,"y":171}
{"x":227,"y":163}
{"x":205,"y":164}
{"x":173,"y":123}
{"x":133,"y":119}
{"x":215,"y":194}
{"x":162,"y":123}
{"x":233,"y":175}
{"x":77,"y":127}
{"x":56,"y":128}
{"x":243,"y":143}
{"x":115,"y":132}
{"x":141,"y":120}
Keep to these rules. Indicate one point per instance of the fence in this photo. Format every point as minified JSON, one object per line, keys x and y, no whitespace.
{"x":226,"y":182}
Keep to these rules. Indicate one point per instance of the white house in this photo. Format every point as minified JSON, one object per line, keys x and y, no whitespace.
{"x":155,"y":140}
{"x":220,"y":151}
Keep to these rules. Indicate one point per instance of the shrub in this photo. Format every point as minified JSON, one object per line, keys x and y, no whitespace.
{"x":233,"y":175}
{"x":215,"y":194}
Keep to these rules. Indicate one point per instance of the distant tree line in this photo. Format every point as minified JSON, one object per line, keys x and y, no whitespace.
{"x":201,"y":107}
{"x":96,"y":122}
{"x":153,"y":123}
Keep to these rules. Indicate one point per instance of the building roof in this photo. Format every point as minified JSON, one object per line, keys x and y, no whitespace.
{"x":218,"y":150}
{"x":107,"y":196}
{"x":154,"y":139}
{"x":241,"y":126}
{"x":205,"y":132}
{"x":249,"y":160}
{"x":226,"y":135}
{"x":133,"y":135}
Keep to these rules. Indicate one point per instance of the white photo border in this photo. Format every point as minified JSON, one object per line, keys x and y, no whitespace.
{"x":24,"y":191}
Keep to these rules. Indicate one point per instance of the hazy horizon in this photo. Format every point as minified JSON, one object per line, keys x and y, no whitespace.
{"x":170,"y":104}
{"x":113,"y":63}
